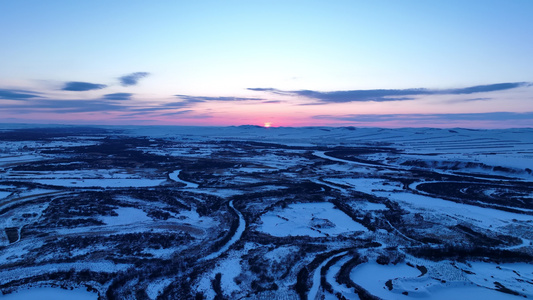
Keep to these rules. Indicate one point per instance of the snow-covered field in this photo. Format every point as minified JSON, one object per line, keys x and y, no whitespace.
{"x":4,"y":194}
{"x":125,"y":216}
{"x":310,"y":219}
{"x":49,"y":293}
{"x":444,"y":280}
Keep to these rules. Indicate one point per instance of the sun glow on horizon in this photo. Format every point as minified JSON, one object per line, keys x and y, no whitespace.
{"x":268,"y":124}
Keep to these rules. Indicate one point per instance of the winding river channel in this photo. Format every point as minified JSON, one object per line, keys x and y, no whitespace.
{"x":234,"y":238}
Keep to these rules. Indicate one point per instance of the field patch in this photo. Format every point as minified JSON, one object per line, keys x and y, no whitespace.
{"x":126,"y":215}
{"x":308,"y":219}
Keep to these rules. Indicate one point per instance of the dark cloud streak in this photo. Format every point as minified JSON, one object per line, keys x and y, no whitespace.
{"x":206,"y":99}
{"x":385,"y":95}
{"x":373,"y":118}
{"x":9,"y":94}
{"x":65,"y":106}
{"x":79,"y":86}
{"x":469,"y":100}
{"x":188,"y":101}
{"x":118,"y":96}
{"x":132,"y":79}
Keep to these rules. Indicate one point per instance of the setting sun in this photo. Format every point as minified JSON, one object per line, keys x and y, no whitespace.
{"x":268,"y":124}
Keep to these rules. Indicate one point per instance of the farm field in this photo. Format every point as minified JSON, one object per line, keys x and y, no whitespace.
{"x":155,"y":212}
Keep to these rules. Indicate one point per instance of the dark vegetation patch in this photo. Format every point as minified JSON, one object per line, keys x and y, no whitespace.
{"x":174,"y":199}
{"x":39,"y":134}
{"x":115,"y":247}
{"x":501,"y":288}
{"x":229,"y":234}
{"x":504,"y":196}
{"x":12,"y":234}
{"x":354,"y":154}
{"x":304,"y":277}
{"x":62,"y":277}
{"x":478,"y":238}
{"x":463,"y":253}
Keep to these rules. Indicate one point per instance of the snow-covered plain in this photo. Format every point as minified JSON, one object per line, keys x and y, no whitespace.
{"x":265,"y":208}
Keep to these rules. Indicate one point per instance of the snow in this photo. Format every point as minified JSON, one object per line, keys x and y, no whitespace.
{"x":507,"y":148}
{"x":25,"y":272}
{"x":338,"y":288}
{"x":279,"y":254}
{"x":444,"y":280}
{"x":49,"y":293}
{"x":308,"y":219}
{"x":85,"y":178}
{"x":175,"y":176}
{"x":192,"y":217}
{"x":157,"y":287}
{"x":222,"y":192}
{"x":366,"y":185}
{"x":369,"y":206}
{"x":313,"y":292}
{"x":19,"y":158}
{"x":255,"y":170}
{"x":511,"y":275}
{"x":13,"y":253}
{"x":160,"y":253}
{"x":322,"y":154}
{"x":33,"y":192}
{"x":340,"y":168}
{"x":234,"y":238}
{"x":467,"y":292}
{"x":119,"y":182}
{"x":483,"y":217}
{"x":126,"y":215}
{"x":229,"y":268}
{"x":272,"y":161}
{"x":372,"y":277}
{"x":78,"y":174}
{"x":4,"y":195}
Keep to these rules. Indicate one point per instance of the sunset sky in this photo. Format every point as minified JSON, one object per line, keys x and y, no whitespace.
{"x":409,"y":63}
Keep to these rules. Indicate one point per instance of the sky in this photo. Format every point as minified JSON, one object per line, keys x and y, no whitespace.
{"x":411,"y":63}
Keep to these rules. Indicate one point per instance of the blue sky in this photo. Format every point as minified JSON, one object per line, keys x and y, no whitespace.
{"x":251,"y":62}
